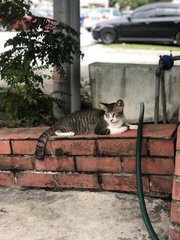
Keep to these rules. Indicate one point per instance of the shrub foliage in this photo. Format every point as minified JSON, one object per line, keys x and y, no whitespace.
{"x":41,"y":44}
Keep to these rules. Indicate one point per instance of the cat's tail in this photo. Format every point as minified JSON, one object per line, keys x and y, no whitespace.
{"x":41,"y":143}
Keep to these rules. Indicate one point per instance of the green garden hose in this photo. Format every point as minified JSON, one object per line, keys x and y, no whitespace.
{"x":139,"y":177}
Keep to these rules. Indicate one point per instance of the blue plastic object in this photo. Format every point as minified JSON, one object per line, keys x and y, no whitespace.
{"x":166,"y":62}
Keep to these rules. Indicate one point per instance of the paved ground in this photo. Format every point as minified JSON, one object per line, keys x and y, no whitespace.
{"x":76,"y":215}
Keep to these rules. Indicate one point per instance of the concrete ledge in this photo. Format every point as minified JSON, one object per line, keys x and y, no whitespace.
{"x":134,"y":83}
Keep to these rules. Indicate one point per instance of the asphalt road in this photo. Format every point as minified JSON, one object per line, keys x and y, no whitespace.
{"x":97,"y":52}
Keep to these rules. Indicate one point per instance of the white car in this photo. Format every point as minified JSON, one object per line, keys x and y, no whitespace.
{"x":43,"y":9}
{"x":100,"y":14}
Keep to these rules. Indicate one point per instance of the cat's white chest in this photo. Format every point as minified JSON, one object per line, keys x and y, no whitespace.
{"x":117,"y":127}
{"x":118,"y":124}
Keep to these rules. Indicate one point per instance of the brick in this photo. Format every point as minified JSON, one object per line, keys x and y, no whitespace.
{"x":150,"y":165}
{"x":79,"y":181}
{"x":119,"y":147}
{"x":177,"y":164}
{"x":176,"y":189}
{"x":6,"y":179}
{"x":174,"y":232}
{"x":21,"y":133}
{"x":127,"y":134}
{"x":48,"y":149}
{"x":178,"y":139}
{"x":175,"y":212}
{"x":165,"y":131}
{"x":5,"y":147}
{"x":161,"y":184}
{"x":16,"y":162}
{"x":75,"y":147}
{"x":98,"y":164}
{"x":62,"y":163}
{"x":23,"y":147}
{"x":161,"y":147}
{"x":122,"y":183}
{"x":32,"y":179}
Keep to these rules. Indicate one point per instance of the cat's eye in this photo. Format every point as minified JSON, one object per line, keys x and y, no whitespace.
{"x":116,"y":115}
{"x":107,"y":116}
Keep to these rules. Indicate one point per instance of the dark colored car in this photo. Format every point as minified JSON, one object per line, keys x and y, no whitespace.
{"x":156,"y":22}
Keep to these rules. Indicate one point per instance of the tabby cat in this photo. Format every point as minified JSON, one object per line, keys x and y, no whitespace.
{"x":110,"y":120}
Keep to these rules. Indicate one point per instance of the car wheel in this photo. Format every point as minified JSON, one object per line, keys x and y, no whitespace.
{"x":88,"y":29}
{"x":178,"y":39}
{"x":108,"y":35}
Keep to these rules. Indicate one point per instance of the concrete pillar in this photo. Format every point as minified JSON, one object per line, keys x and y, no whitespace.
{"x":75,"y":68}
{"x":67,"y":11}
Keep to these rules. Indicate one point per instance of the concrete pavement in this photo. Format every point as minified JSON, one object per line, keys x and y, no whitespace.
{"x":76,"y":215}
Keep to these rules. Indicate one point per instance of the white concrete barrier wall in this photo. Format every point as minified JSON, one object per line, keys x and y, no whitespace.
{"x":134,"y":83}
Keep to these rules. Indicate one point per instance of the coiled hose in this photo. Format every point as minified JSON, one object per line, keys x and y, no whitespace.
{"x":139,"y":177}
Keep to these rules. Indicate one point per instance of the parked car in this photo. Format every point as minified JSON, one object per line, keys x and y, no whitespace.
{"x":99,"y":14}
{"x":126,"y":13}
{"x":156,"y":22}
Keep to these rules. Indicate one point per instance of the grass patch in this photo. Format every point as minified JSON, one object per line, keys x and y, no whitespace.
{"x":144,"y":46}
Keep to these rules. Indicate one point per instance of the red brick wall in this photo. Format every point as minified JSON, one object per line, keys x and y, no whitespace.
{"x":174,"y":233}
{"x":90,"y":161}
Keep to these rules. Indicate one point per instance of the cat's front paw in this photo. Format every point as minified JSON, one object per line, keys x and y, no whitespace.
{"x":118,"y":130}
{"x":123,"y":129}
{"x":133,"y":127}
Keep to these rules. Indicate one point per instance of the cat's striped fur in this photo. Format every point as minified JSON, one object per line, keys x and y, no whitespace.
{"x":108,"y":121}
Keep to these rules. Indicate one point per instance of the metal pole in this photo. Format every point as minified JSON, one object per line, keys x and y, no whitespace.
{"x":157,"y":87}
{"x":163,"y":97}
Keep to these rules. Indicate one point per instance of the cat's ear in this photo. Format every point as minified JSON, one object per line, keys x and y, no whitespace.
{"x":120,"y":103}
{"x":104,"y":106}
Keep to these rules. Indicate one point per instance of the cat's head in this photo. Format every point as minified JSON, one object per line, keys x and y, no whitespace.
{"x":113,"y":111}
